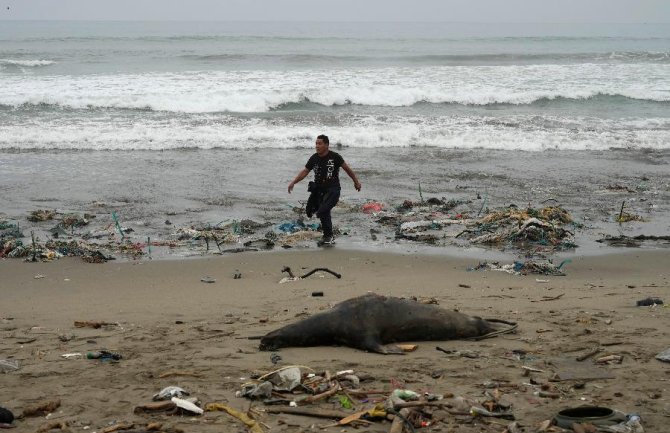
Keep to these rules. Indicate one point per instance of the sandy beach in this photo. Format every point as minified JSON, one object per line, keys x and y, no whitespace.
{"x":165,"y":319}
{"x":144,"y":168}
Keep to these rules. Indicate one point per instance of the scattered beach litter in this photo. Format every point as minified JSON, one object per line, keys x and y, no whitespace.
{"x":70,"y":221}
{"x":7,"y":365}
{"x":92,"y":324}
{"x":546,"y":226}
{"x":251,"y":423}
{"x":356,"y":399}
{"x":104,"y":355}
{"x":664,"y":356}
{"x":41,"y":409}
{"x":542,"y":267}
{"x":41,"y":215}
{"x":298,"y":390}
{"x":649,"y":302}
{"x":372,"y":207}
{"x":625,"y":217}
{"x":434,"y":221}
{"x":595,"y":415}
{"x":292,"y":277}
{"x":296,"y":226}
{"x":634,"y":241}
{"x":187,"y":405}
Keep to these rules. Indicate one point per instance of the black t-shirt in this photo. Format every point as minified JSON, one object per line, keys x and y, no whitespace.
{"x":326,"y":169}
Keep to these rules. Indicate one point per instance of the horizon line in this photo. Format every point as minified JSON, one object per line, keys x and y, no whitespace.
{"x":327,"y":21}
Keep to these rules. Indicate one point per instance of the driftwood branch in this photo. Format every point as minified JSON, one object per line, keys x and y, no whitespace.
{"x":321,"y":269}
{"x":317,"y":397}
{"x":290,"y":273}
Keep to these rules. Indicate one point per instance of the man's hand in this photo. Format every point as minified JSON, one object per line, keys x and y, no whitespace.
{"x":357,"y":185}
{"x":304,"y":172}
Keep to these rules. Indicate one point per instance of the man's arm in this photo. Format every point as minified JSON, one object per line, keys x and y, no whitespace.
{"x":352,"y":175}
{"x":297,"y":179}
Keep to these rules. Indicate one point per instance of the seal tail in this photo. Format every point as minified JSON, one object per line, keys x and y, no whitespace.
{"x":511,"y":327}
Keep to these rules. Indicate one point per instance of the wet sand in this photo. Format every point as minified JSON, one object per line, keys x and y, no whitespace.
{"x":157,"y":193}
{"x":167,"y":319}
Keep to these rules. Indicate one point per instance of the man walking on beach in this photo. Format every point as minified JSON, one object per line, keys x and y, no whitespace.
{"x":325,"y":190}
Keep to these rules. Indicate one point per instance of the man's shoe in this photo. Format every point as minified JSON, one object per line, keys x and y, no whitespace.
{"x":327,"y":240}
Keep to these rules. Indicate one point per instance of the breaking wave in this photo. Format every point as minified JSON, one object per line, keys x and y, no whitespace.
{"x":211,"y":131}
{"x":260,"y":91}
{"x":267,"y":103}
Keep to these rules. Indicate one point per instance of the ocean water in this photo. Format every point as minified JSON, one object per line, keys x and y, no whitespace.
{"x":157,"y":86}
{"x":208,"y":121}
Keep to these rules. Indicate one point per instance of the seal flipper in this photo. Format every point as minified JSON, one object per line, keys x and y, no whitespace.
{"x":372,"y":344}
{"x":392,"y":349}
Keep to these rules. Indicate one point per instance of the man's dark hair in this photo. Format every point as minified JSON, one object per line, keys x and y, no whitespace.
{"x":323,"y":138}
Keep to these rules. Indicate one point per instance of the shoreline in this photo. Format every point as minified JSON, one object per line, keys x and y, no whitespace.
{"x":201,"y":192}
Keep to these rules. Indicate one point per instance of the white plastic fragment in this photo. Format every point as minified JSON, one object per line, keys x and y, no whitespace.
{"x":168,"y":392}
{"x":664,"y":356}
{"x":187,"y":405}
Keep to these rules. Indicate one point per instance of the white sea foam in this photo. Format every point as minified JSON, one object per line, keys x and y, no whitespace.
{"x":26,"y":63}
{"x":208,"y":131}
{"x":261,"y":91}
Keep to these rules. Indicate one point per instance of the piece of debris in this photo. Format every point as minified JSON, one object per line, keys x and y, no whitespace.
{"x":7,"y":365}
{"x":664,"y":356}
{"x":41,"y":409}
{"x":92,"y":324}
{"x":41,"y":215}
{"x":290,"y":273}
{"x":187,"y":406}
{"x":168,"y":392}
{"x":647,"y":302}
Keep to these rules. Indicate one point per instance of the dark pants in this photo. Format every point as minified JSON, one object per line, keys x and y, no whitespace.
{"x":326,"y":199}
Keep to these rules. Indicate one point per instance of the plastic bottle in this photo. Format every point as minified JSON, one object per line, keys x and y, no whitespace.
{"x":94,"y":355}
{"x":631,"y":425}
{"x":634,"y":422}
{"x":104,"y":355}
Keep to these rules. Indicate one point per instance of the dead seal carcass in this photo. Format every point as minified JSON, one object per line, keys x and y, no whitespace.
{"x":371,"y":321}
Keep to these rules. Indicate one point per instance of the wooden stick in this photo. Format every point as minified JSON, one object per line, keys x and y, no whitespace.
{"x":399,"y":421}
{"x":588,"y":354}
{"x":363,"y":392}
{"x":552,"y":298}
{"x":32,"y":235}
{"x":444,"y":406}
{"x":611,"y":343}
{"x":420,"y":404}
{"x":316,"y":413}
{"x":313,"y":398}
{"x":172,"y":373}
{"x":351,"y":399}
